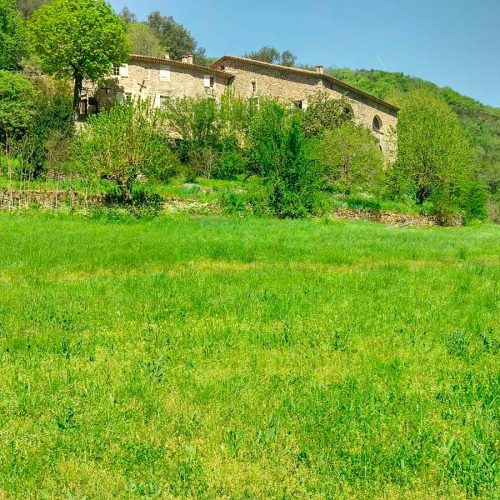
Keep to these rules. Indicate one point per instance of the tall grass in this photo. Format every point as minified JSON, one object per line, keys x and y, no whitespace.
{"x":247,"y":358}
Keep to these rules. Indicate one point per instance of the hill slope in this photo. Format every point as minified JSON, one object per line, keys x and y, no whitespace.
{"x":481,"y":122}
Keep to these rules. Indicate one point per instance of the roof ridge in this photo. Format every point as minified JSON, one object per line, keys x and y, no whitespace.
{"x":208,"y":69}
{"x":323,"y":76}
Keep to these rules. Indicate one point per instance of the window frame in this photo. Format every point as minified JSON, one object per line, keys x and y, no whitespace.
{"x":165,"y":73}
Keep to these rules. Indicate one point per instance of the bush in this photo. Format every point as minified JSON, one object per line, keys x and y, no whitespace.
{"x":16,"y":105}
{"x":229,"y":165}
{"x":277,"y":151}
{"x":44,"y":147}
{"x":123,"y":144}
{"x":350,"y":159}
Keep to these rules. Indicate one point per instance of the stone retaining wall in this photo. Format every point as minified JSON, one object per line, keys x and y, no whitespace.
{"x":15,"y":199}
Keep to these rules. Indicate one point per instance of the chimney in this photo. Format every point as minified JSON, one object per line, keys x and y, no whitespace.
{"x":188,"y":59}
{"x":320,"y":70}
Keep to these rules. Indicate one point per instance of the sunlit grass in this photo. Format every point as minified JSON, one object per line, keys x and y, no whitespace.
{"x":247,"y":358}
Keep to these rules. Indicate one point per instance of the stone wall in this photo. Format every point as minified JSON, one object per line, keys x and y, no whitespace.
{"x":13,"y":199}
{"x":291,"y":86}
{"x":144,"y":80}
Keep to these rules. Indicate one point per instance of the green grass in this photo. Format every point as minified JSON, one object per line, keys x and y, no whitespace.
{"x":246,"y":358}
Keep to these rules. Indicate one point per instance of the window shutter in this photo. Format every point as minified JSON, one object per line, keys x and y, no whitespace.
{"x":157,"y":103}
{"x":124,"y":70}
{"x":164,"y":73}
{"x":206,"y":80}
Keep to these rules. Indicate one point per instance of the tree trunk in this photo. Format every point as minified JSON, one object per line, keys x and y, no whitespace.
{"x":77,"y":95}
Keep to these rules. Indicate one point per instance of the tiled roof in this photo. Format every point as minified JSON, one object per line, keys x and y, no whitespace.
{"x":180,"y":64}
{"x":305,"y":72}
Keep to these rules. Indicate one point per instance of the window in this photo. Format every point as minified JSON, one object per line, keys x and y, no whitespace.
{"x":128,"y":96}
{"x":377,"y":124}
{"x":165,"y":73}
{"x":301,"y":104}
{"x":116,"y":70}
{"x":209,"y":81}
{"x":124,"y":70}
{"x":254,"y":86}
{"x":254,"y":104}
{"x":163,"y":100}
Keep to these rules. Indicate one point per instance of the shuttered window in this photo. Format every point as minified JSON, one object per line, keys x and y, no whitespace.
{"x":165,"y":73}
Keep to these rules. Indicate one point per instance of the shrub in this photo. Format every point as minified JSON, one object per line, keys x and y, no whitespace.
{"x":277,"y":152}
{"x":16,"y":105}
{"x":124,"y":143}
{"x":350,"y":159}
{"x":44,"y":146}
{"x":229,"y":165}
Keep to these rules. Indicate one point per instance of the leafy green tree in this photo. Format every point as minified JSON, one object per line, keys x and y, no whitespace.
{"x":273,"y":56}
{"x":277,"y":151}
{"x":324,"y":113}
{"x":176,"y":39}
{"x":12,"y":36}
{"x":435,"y":159}
{"x":144,"y":41}
{"x":79,"y":39}
{"x":123,"y":143}
{"x":211,"y":133}
{"x":16,"y":105}
{"x":350,"y":159}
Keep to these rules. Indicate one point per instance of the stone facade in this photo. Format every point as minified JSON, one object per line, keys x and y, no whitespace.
{"x":158,"y":79}
{"x":294,"y":85}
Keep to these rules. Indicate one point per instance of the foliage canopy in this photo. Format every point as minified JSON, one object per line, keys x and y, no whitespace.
{"x":12,"y":36}
{"x":79,"y":39}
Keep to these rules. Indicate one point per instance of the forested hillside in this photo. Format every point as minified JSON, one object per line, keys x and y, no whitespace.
{"x":481,"y":122}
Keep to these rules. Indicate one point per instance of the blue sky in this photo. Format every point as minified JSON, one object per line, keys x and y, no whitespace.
{"x":450,"y":42}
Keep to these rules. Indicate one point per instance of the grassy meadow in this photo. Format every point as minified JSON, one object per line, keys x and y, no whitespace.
{"x":245,"y":358}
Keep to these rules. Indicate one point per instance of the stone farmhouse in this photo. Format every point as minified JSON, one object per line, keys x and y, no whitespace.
{"x":161,"y":78}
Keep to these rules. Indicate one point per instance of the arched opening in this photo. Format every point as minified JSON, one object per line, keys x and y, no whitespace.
{"x":377,"y":124}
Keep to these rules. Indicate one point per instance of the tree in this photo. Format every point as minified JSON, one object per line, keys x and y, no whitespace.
{"x":324,"y":113}
{"x":277,"y":151}
{"x":288,"y":58}
{"x":176,"y":39}
{"x":79,"y":39}
{"x":273,"y":56}
{"x":144,"y":41}
{"x":350,"y":159}
{"x":122,"y":143}
{"x":435,"y":159}
{"x":127,"y":17}
{"x":12,"y":36}
{"x":16,"y":104}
